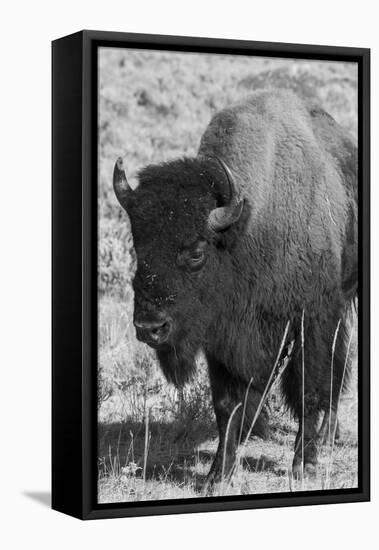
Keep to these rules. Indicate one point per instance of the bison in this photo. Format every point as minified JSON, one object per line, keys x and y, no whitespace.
{"x":258,"y":230}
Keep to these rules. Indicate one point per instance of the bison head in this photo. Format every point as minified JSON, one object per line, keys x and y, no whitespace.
{"x":180,"y":214}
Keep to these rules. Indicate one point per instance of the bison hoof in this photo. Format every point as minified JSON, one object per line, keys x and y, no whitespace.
{"x":214,"y":476}
{"x":209,"y":485}
{"x":328,"y":441}
{"x":309,"y":470}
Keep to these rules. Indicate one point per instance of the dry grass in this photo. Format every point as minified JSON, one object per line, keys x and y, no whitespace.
{"x":179,"y":458}
{"x":155,"y":444}
{"x":154,"y":106}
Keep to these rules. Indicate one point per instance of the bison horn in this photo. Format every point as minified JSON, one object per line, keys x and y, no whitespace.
{"x":223,"y":217}
{"x":121,"y":186}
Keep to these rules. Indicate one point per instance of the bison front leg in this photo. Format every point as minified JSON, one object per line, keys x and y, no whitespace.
{"x":305,"y":459}
{"x":229,"y":395}
{"x":225,"y":400}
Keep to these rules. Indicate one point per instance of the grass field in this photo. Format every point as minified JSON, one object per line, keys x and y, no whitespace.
{"x":155,"y":443}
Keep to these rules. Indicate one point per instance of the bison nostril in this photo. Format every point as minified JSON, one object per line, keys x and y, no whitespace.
{"x":159,"y":331}
{"x":152,"y":331}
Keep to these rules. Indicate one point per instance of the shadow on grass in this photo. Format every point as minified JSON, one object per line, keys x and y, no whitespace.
{"x":172,"y":448}
{"x":262,"y":464}
{"x":173,"y":451}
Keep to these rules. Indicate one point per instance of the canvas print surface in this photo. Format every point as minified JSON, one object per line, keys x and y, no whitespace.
{"x":227,"y":275}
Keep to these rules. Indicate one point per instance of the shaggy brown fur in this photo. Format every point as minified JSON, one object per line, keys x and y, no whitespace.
{"x":293,"y":249}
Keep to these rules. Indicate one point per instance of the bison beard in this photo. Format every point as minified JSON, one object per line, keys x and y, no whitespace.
{"x":256,"y":231}
{"x":178,"y":362}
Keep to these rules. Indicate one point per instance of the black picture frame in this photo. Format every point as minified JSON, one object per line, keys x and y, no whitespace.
{"x":74,"y":272}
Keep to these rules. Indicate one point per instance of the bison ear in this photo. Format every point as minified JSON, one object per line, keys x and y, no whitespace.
{"x":224,"y":216}
{"x":122,"y":188}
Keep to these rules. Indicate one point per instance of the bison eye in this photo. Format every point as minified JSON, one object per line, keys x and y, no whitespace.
{"x":191,"y":259}
{"x":196,"y":258}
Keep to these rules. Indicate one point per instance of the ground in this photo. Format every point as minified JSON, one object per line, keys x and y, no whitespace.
{"x":156,"y":443}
